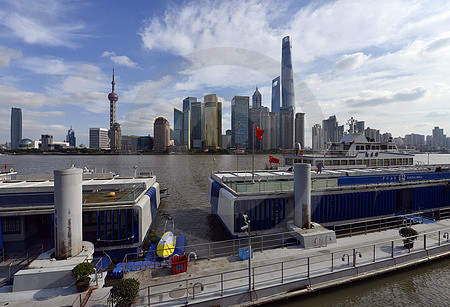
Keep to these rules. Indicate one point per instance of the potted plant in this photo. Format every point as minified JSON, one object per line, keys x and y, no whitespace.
{"x":81,"y":273}
{"x":125,"y":291}
{"x":410,"y":234}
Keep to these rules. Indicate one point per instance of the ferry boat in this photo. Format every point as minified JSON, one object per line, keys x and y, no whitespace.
{"x":353,"y":150}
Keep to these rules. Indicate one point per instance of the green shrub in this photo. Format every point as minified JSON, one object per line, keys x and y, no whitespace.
{"x":408,"y":232}
{"x":125,"y":290}
{"x":83,"y":269}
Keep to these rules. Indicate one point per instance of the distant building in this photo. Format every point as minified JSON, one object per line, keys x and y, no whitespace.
{"x":16,"y":127}
{"x":386,"y":137}
{"x":340,"y":132}
{"x":240,"y":121}
{"x":47,"y":141}
{"x":145,"y":143}
{"x":439,"y":139}
{"x":161,"y":129}
{"x":330,"y":129}
{"x":372,"y":134}
{"x":269,"y":123}
{"x":287,"y":128}
{"x":275,"y":106}
{"x":256,"y":99}
{"x":360,"y":126}
{"x":317,"y":138}
{"x":415,"y":140}
{"x":186,"y":134}
{"x":70,"y":138}
{"x":255,"y":118}
{"x":98,"y":138}
{"x":197,"y":124}
{"x":226,"y":141}
{"x":287,"y":75}
{"x":129,"y":143}
{"x":177,"y":126}
{"x":300,"y":129}
{"x":213,"y":122}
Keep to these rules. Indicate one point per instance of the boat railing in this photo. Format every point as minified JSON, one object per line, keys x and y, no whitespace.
{"x":195,"y":289}
{"x":19,"y":262}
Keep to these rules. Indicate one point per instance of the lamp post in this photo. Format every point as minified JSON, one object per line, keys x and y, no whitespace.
{"x":247,"y":227}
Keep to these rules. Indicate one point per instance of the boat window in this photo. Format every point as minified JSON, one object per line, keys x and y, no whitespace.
{"x":405,"y":161}
{"x":359,"y":162}
{"x":386,"y":162}
{"x":288,"y":161}
{"x":410,"y":161}
{"x":336,"y":162}
{"x":366,"y":162}
{"x":297,"y":161}
{"x":327,"y":162}
{"x":367,"y":147}
{"x":351,"y":162}
{"x":399,"y":161}
{"x":373,"y":162}
{"x":344,"y":162}
{"x":393,"y":161}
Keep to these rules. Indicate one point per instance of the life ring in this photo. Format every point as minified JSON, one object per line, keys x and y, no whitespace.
{"x":11,"y":170}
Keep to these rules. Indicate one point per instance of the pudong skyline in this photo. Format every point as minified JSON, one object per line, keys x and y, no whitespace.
{"x":371,"y":72}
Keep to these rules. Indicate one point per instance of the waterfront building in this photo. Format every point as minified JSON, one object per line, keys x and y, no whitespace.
{"x":177,"y":126}
{"x":16,"y":127}
{"x":360,"y":126}
{"x":240,"y":125}
{"x":47,"y":141}
{"x":413,"y":139}
{"x":269,"y":123}
{"x":70,"y":138}
{"x":340,"y":131}
{"x":287,"y":128}
{"x":330,"y":129}
{"x":226,"y":139}
{"x":386,"y":137}
{"x":287,"y":76}
{"x":256,"y":99}
{"x":161,"y":130}
{"x":115,"y":133}
{"x":213,"y":121}
{"x":300,"y":129}
{"x":275,"y":106}
{"x":197,"y":124}
{"x":98,"y":138}
{"x":187,"y":129}
{"x":317,"y":138}
{"x":255,"y":118}
{"x":145,"y":143}
{"x":129,"y":143}
{"x":372,"y":134}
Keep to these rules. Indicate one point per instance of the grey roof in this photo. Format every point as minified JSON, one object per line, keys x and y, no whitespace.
{"x":354,"y":137}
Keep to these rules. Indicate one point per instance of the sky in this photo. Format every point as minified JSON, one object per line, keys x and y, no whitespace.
{"x":385,"y":62}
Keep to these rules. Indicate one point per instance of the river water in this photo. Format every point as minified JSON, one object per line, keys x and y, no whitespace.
{"x":186,"y":176}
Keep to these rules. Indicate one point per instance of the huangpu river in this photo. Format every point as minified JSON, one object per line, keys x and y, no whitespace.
{"x":186,"y":176}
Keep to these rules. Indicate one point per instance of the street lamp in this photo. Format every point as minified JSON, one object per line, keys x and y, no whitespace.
{"x":247,"y":227}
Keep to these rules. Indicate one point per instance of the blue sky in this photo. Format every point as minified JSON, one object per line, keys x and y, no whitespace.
{"x":385,"y":62}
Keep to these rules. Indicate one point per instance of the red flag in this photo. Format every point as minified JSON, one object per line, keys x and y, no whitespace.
{"x":259,"y":133}
{"x":273,"y":160}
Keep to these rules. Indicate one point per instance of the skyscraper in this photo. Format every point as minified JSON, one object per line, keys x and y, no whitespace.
{"x":240,"y":121}
{"x":276,"y":105}
{"x":330,"y":129}
{"x":287,"y":128}
{"x":98,"y":138}
{"x":372,"y":134}
{"x":197,"y":124}
{"x":115,"y":134}
{"x":70,"y":137}
{"x":47,"y":140}
{"x":177,"y":126}
{"x":186,"y":134}
{"x":287,"y":76}
{"x":269,"y":124}
{"x":161,"y":130}
{"x":16,"y":127}
{"x":360,"y":126}
{"x":317,"y":137}
{"x":438,"y":137}
{"x":213,"y":122}
{"x":256,"y":99}
{"x":300,"y":129}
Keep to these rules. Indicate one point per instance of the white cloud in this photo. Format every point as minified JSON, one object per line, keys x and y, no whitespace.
{"x":11,"y":96}
{"x":351,"y":61}
{"x":8,"y":54}
{"x":46,"y":65}
{"x":120,"y":59}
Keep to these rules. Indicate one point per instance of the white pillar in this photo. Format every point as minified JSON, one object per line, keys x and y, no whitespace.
{"x":68,"y":213}
{"x":302,"y":190}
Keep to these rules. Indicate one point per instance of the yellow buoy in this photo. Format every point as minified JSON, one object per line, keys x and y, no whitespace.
{"x":112,"y":194}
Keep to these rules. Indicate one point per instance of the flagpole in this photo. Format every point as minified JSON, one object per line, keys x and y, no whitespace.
{"x":253,"y":154}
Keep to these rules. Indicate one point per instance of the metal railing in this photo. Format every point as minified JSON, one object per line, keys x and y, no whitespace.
{"x":302,"y":268}
{"x":2,"y":254}
{"x":23,"y":260}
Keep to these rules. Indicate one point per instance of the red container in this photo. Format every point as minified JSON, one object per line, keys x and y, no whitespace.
{"x":179,"y":264}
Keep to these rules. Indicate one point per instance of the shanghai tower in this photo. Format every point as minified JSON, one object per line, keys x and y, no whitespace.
{"x":287,"y":76}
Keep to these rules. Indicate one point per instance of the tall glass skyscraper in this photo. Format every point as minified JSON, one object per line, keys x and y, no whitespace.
{"x":287,"y":76}
{"x":70,"y":138}
{"x":256,"y":99}
{"x":240,"y":121}
{"x":213,"y":121}
{"x":16,"y":127}
{"x":197,"y":124}
{"x":276,"y":105}
{"x":186,"y":134}
{"x":177,"y":126}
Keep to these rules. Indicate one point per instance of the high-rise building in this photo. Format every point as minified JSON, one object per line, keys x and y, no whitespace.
{"x":415,"y":140}
{"x":438,"y":138}
{"x":213,"y":122}
{"x":340,"y":131}
{"x":16,"y":127}
{"x":177,"y":126}
{"x":98,"y":138}
{"x":187,"y":129}
{"x":70,"y":137}
{"x":300,"y":129}
{"x":287,"y":127}
{"x":161,"y":130}
{"x":115,"y":133}
{"x":269,"y":123}
{"x":240,"y":121}
{"x":372,"y":134}
{"x":145,"y":143}
{"x":129,"y":143}
{"x":360,"y":126}
{"x":287,"y":75}
{"x":317,"y":138}
{"x":330,"y":129}
{"x":256,"y":99}
{"x":386,"y":137}
{"x":255,"y":118}
{"x":197,"y":124}
{"x":275,"y":106}
{"x":47,"y":141}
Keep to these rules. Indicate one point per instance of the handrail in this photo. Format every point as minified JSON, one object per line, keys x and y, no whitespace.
{"x":2,"y":253}
{"x":305,"y":263}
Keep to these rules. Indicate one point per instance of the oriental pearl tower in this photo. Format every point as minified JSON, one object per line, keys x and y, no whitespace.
{"x":115,"y":134}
